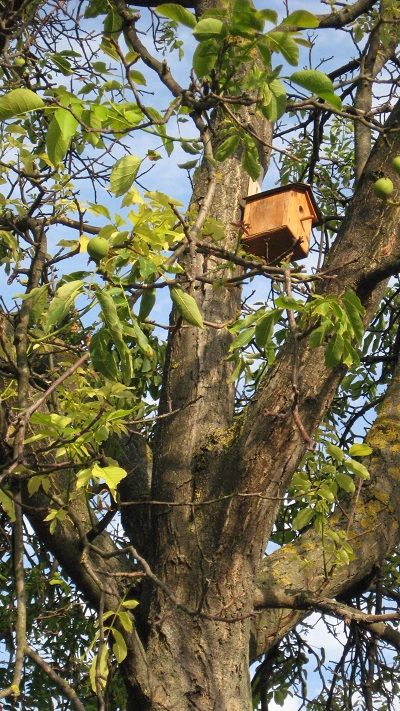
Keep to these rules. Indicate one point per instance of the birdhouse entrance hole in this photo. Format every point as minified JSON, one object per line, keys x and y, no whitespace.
{"x":278,"y":222}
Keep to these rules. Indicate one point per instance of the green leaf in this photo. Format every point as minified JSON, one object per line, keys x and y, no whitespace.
{"x":103,"y":668}
{"x":345,"y":482}
{"x":265,"y":53}
{"x":130,"y":604}
{"x":146,"y":303}
{"x":355,"y":311}
{"x":189,"y":164}
{"x":251,"y":165}
{"x":269,"y":15}
{"x":123,"y":174}
{"x":7,"y":504}
{"x":104,"y":360}
{"x":177,"y":13}
{"x":350,"y":356}
{"x":112,"y":475}
{"x":134,"y":330}
{"x":334,"y":350}
{"x":205,"y":58}
{"x":245,"y":18}
{"x":114,"y":326}
{"x":303,"y":518}
{"x":317,"y":337}
{"x":335,"y":452}
{"x":125,"y":620}
{"x":242,"y":339}
{"x":61,"y":129}
{"x":62,"y":64}
{"x":137,"y":77}
{"x":190,"y":148}
{"x":119,"y":646}
{"x":282,"y":42}
{"x":19,"y":101}
{"x":62,"y":302}
{"x":227,"y":147}
{"x":357,"y":468}
{"x":277,"y":104}
{"x":301,"y":19}
{"x":95,"y":8}
{"x":209,"y":28}
{"x":325,"y":492}
{"x":360,"y":450}
{"x":317,"y":83}
{"x":186,"y":306}
{"x":265,"y":327}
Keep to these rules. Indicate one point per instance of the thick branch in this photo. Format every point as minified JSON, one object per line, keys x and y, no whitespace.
{"x":347,"y":15}
{"x":298,"y":570}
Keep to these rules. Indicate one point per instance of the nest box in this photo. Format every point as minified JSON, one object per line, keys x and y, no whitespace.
{"x":278,"y":222}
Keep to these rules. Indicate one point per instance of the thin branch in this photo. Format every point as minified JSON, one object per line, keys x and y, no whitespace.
{"x":19,"y":574}
{"x":63,"y":685}
{"x":24,"y":416}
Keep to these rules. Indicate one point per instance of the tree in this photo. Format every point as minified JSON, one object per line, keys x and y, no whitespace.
{"x":141,"y":481}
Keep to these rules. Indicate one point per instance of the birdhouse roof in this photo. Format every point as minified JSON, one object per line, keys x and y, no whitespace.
{"x":295,"y":187}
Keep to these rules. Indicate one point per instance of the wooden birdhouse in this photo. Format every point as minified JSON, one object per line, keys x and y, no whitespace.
{"x":278,"y":222}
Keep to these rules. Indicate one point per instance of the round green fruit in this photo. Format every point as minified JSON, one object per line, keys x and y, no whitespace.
{"x":98,"y":248}
{"x":19,"y":62}
{"x":396,"y":164}
{"x":383,"y":188}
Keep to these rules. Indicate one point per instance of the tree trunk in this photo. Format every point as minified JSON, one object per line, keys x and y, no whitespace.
{"x":209,"y":542}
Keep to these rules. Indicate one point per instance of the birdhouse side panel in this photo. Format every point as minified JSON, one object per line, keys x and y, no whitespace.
{"x":266,"y":213}
{"x":300,"y":217}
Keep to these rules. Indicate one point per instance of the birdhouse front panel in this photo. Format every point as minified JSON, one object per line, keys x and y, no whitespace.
{"x":278,"y":222}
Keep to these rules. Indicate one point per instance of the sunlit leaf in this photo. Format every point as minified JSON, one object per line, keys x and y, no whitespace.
{"x":359,"y":449}
{"x":61,"y":129}
{"x":186,"y":306}
{"x":227,"y":147}
{"x":303,"y":518}
{"x":251,"y":165}
{"x":177,"y":13}
{"x":345,"y":482}
{"x":301,"y":19}
{"x":7,"y":504}
{"x":209,"y":28}
{"x":62,"y":302}
{"x":123,"y":174}
{"x":104,"y":359}
{"x":19,"y":101}
{"x":282,"y":42}
{"x":112,"y":475}
{"x":334,"y":350}
{"x":318,"y":83}
{"x":119,"y":646}
{"x":357,"y":468}
{"x":335,"y":452}
{"x":205,"y":57}
{"x":277,"y":104}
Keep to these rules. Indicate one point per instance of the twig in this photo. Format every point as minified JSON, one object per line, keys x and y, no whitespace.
{"x":63,"y":685}
{"x":23,"y":418}
{"x":99,"y":690}
{"x":19,"y":575}
{"x":296,"y":365}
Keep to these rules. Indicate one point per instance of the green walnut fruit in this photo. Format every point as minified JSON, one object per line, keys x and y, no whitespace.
{"x":98,"y":248}
{"x":383,"y":188}
{"x":396,"y":164}
{"x":19,"y":62}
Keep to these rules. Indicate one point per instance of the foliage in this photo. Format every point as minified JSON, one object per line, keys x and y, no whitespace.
{"x":86,"y":149}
